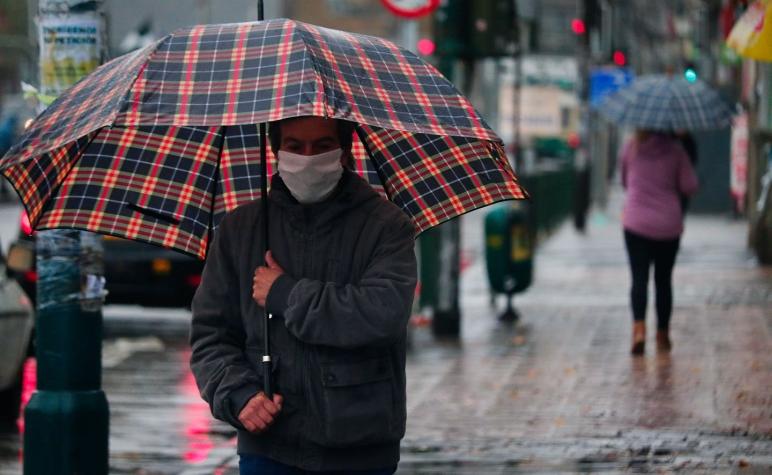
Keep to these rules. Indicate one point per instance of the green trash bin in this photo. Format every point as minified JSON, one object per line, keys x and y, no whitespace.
{"x":509,"y":252}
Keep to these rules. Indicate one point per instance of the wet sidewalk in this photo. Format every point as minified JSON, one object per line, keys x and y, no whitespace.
{"x":556,"y":393}
{"x":560,"y":391}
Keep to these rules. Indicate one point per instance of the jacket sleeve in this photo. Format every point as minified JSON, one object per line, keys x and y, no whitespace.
{"x":373,"y":311}
{"x":224,"y":377}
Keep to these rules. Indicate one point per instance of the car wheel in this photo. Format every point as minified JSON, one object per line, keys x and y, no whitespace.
{"x":10,"y":403}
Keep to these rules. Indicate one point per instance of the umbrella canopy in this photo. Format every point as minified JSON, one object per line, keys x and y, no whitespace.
{"x":751,"y":36}
{"x":158,"y":144}
{"x":659,"y":102}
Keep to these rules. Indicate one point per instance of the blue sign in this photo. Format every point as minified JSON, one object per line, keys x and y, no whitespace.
{"x":606,"y":81}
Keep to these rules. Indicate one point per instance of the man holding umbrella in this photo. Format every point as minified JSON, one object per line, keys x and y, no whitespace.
{"x":339,"y":285}
{"x":142,"y":151}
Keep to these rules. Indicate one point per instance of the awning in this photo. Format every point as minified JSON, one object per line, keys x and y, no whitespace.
{"x":751,"y":36}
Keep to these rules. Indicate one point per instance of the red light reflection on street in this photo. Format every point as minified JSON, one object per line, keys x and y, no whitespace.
{"x":196,"y":419}
{"x":29,"y":384}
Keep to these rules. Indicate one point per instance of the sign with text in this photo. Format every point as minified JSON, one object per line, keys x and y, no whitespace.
{"x":70,"y":48}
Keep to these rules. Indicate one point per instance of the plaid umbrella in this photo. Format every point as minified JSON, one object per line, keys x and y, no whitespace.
{"x":658,"y":102}
{"x":158,"y":144}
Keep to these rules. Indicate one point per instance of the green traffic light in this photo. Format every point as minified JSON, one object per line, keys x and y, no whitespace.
{"x":690,"y":75}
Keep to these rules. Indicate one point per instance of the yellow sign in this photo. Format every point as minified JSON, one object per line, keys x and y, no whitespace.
{"x":751,"y":36}
{"x":521,"y":244}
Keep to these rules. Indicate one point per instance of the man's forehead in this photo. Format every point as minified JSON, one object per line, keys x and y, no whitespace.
{"x":309,"y":128}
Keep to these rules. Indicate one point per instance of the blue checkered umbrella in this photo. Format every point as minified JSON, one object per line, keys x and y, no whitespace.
{"x":659,"y":102}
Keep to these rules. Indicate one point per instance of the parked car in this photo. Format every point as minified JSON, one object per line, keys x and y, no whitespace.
{"x":16,"y":325}
{"x":136,"y":273}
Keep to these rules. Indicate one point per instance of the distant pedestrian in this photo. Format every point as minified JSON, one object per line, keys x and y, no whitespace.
{"x":656,"y":173}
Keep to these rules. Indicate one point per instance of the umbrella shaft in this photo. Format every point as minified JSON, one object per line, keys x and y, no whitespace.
{"x":267,"y":387}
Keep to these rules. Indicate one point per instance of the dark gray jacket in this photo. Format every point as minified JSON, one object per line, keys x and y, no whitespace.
{"x":338,"y":332}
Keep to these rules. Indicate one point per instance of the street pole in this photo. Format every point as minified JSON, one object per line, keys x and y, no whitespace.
{"x":440,"y":247}
{"x":588,"y":13}
{"x":446,"y":321}
{"x":516,"y":90}
{"x":67,"y":418}
{"x":464,"y":31}
{"x":439,"y":291}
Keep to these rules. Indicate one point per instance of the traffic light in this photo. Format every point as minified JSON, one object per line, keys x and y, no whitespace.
{"x":690,"y":73}
{"x":451,"y":29}
{"x":425,"y":46}
{"x":619,"y":57}
{"x":493,"y":28}
{"x":485,"y":28}
{"x":578,"y":26}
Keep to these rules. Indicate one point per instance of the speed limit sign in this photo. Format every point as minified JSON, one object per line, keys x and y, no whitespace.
{"x":411,"y":8}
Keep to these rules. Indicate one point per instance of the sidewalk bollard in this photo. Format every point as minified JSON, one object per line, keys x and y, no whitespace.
{"x":67,"y":418}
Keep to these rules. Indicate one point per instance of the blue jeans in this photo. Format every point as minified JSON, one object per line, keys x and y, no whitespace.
{"x":257,"y":465}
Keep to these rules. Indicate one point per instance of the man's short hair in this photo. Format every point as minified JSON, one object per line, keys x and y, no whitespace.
{"x":345,"y":133}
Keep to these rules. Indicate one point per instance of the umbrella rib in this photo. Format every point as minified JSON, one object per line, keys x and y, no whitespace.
{"x":215,"y":179}
{"x":151,"y":50}
{"x":314,"y":67}
{"x":362,"y":136}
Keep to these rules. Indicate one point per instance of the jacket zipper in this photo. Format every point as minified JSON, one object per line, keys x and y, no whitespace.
{"x":302,"y":389}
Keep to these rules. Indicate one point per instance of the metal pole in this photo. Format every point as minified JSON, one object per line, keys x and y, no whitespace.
{"x":67,"y":418}
{"x":589,"y":12}
{"x":446,"y":321}
{"x":440,"y":246}
{"x":267,"y":365}
{"x":516,"y":86}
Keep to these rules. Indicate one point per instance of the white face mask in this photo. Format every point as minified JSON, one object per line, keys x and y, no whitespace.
{"x":310,"y":178}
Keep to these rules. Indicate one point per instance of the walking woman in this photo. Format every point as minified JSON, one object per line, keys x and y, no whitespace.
{"x":656,"y":174}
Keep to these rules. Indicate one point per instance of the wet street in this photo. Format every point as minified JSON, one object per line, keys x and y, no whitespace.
{"x":556,"y":393}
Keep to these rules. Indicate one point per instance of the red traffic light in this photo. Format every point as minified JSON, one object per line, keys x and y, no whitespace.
{"x":619,"y":58}
{"x":577,"y":26}
{"x":426,"y":46}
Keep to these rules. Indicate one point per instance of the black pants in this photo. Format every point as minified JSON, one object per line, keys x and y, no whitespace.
{"x":259,"y":465}
{"x":642,"y":252}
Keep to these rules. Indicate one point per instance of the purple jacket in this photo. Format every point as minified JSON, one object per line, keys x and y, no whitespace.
{"x":655,"y":173}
